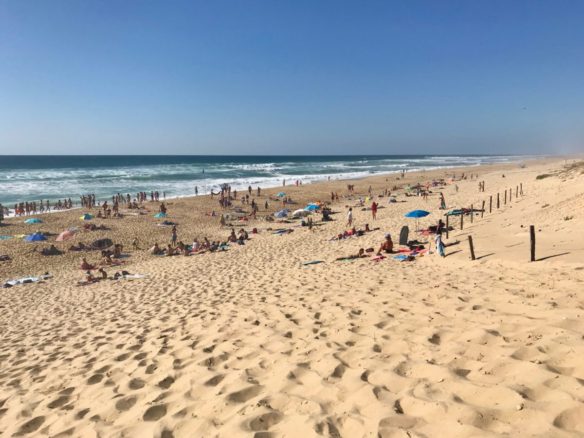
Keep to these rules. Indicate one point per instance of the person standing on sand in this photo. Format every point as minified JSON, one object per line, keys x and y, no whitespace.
{"x":350,"y":217}
{"x":442,"y":202}
{"x":174,"y":235}
{"x":439,"y":244}
{"x":374,"y":210}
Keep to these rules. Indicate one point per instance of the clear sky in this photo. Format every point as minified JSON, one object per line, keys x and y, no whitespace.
{"x":291,"y":77}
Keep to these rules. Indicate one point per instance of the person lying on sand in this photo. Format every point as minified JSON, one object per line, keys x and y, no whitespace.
{"x":79,"y":247}
{"x":85,"y":265}
{"x":50,"y":251}
{"x":386,"y":246}
{"x":360,"y":254}
{"x":118,"y":248}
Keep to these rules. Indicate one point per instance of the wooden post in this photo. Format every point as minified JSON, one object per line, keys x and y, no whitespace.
{"x":505,"y":203}
{"x":498,"y":202}
{"x":461,"y":220}
{"x":532,"y":242}
{"x":472,"y":254}
{"x":483,"y":209}
{"x":516,"y":191}
{"x":471,"y":213}
{"x":521,"y":188}
{"x":447,"y":225}
{"x":491,"y":204}
{"x":510,"y":195}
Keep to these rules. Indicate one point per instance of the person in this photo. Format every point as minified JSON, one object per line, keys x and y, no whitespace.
{"x":155,"y":250}
{"x":442,"y":202}
{"x":360,"y":254}
{"x":174,"y":235}
{"x":387,"y":245}
{"x":103,"y":273}
{"x":85,"y":265}
{"x":350,"y":217}
{"x":374,"y":210}
{"x":439,"y":244}
{"x":232,"y":237}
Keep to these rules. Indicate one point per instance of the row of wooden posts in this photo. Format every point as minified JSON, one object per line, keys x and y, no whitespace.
{"x":518,"y":192}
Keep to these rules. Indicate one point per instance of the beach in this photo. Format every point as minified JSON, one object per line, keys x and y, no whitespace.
{"x":276,"y":338}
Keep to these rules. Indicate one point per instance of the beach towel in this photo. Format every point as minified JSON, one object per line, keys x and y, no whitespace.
{"x":5,"y":237}
{"x":26,"y":280}
{"x":378,"y":258}
{"x":312,"y":262}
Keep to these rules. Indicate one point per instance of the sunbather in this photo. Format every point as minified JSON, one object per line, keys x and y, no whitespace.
{"x":360,"y":254}
{"x":386,"y":246}
{"x":85,"y":265}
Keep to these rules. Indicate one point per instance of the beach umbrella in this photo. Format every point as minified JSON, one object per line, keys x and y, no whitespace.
{"x":86,"y":217}
{"x":416,"y":214}
{"x":160,"y":215}
{"x":65,"y":235}
{"x":36,"y":237}
{"x":33,"y":220}
{"x":312,"y":207}
{"x":281,"y":194}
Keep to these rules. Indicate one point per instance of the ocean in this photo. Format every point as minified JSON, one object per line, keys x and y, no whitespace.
{"x":32,"y":178}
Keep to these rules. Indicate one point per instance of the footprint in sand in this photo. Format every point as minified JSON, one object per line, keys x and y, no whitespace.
{"x":96,"y":378}
{"x":31,"y":425}
{"x":214,"y":381}
{"x":571,"y":420}
{"x":154,"y":413}
{"x":136,"y":384}
{"x":57,"y":403}
{"x":125,"y":403}
{"x":166,"y":382}
{"x":245,"y":394}
{"x":265,"y":421}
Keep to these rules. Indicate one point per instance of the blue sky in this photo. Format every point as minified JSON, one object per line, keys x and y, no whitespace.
{"x":291,"y":77}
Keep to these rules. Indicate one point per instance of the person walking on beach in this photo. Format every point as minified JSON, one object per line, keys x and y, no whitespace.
{"x":174,"y":235}
{"x":442,"y":202}
{"x":374,"y":210}
{"x":350,"y":217}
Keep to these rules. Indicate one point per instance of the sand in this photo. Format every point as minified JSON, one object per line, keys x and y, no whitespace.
{"x":251,"y":342}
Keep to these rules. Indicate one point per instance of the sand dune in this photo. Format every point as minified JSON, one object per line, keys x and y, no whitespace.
{"x":250,"y":342}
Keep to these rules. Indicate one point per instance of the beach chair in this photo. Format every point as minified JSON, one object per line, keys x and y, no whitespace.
{"x":403,"y":235}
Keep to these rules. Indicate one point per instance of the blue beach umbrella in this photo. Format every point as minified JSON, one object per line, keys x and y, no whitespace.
{"x":416,"y":214}
{"x":36,"y":237}
{"x":160,"y":215}
{"x":86,"y":217}
{"x":312,"y":207}
{"x":33,"y":220}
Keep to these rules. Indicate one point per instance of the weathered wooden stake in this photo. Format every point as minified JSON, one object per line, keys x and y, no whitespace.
{"x":532,"y":242}
{"x":471,"y":213}
{"x":517,"y":191}
{"x":447,"y":225}
{"x":505,"y":203}
{"x":498,"y":202}
{"x":483,"y":209}
{"x":461,"y":220}
{"x":472,"y":254}
{"x":521,"y":188}
{"x":510,"y":195}
{"x":491,"y":204}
